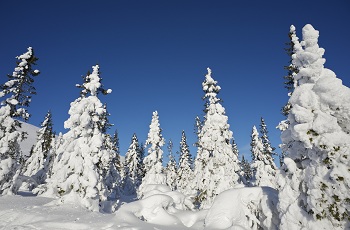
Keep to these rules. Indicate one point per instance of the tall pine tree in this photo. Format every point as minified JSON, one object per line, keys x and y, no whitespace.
{"x":185,"y":174}
{"x":263,"y":167}
{"x":216,"y":166}
{"x":83,"y":171}
{"x":38,"y":164}
{"x":16,"y":95}
{"x":153,"y":162}
{"x":171,"y":168}
{"x":132,"y":165}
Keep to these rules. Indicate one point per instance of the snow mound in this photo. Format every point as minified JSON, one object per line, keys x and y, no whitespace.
{"x":244,"y":208}
{"x":161,"y":207}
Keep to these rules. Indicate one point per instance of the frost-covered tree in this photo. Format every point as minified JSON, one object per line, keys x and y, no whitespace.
{"x":246,"y":171}
{"x":263,"y":167}
{"x":38,"y":164}
{"x":171,"y":168}
{"x":216,"y":166}
{"x":291,"y":68}
{"x":115,"y":141}
{"x":142,"y":157}
{"x":315,"y":181}
{"x":132,"y":164}
{"x":268,"y":149}
{"x":153,"y":162}
{"x":16,"y":95}
{"x":290,"y":84}
{"x":185,"y":173}
{"x":83,"y":171}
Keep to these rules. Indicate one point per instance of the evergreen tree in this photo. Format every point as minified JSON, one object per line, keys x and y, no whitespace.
{"x":185,"y":174}
{"x":268,"y":149}
{"x":37,"y":165}
{"x":132,"y":164}
{"x":291,"y":68}
{"x":142,"y":157}
{"x":153,"y":162}
{"x":290,"y":84}
{"x":171,"y":169}
{"x":246,"y":171}
{"x":216,"y":166}
{"x":315,"y":186}
{"x":83,"y":171}
{"x":263,"y":167}
{"x":115,"y":147}
{"x":16,"y":95}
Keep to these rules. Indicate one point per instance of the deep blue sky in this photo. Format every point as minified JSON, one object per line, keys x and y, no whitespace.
{"x":154,"y":55}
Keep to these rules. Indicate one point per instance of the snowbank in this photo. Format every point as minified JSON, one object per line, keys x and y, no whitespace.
{"x":244,"y":208}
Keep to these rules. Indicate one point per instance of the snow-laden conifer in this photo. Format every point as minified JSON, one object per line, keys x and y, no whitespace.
{"x":291,"y":68}
{"x":263,"y":167}
{"x":315,"y":186}
{"x":132,"y":164}
{"x":118,"y":164}
{"x":216,"y":166}
{"x":185,"y":173}
{"x":84,"y":165}
{"x":171,"y":168}
{"x":153,"y":162}
{"x":38,"y":164}
{"x":268,"y":149}
{"x":16,"y":95}
{"x":246,"y":172}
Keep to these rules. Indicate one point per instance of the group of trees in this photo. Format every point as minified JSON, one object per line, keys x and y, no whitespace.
{"x":84,"y":163}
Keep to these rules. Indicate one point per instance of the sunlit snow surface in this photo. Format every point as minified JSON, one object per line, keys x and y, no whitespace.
{"x":159,"y":209}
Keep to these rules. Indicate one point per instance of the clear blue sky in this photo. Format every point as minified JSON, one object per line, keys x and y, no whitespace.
{"x":154,"y":55}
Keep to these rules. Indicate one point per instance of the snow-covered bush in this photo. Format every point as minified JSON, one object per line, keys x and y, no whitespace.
{"x":316,"y":193}
{"x":160,"y":206}
{"x":244,"y":208}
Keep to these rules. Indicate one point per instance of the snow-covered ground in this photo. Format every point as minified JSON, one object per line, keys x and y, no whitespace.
{"x":159,"y":209}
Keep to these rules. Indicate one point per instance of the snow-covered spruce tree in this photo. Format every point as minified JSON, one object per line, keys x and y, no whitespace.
{"x":268,"y":149}
{"x":315,"y":185}
{"x":246,"y":171}
{"x":290,"y":84}
{"x":16,"y":95}
{"x":185,"y":174}
{"x":115,"y":147}
{"x":83,"y":171}
{"x":153,"y":162}
{"x":291,"y":68}
{"x":216,"y":166}
{"x":263,"y":167}
{"x":142,"y":157}
{"x":132,"y":164}
{"x":171,"y":168}
{"x":37,"y":165}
